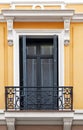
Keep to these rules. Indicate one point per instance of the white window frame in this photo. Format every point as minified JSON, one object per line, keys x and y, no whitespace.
{"x":39,"y":32}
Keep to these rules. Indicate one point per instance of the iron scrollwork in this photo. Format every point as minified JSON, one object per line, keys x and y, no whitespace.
{"x":33,"y":98}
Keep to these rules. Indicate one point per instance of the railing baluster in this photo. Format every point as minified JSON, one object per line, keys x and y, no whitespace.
{"x":6,"y":98}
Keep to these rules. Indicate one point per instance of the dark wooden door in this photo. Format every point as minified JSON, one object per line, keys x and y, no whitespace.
{"x":39,"y":73}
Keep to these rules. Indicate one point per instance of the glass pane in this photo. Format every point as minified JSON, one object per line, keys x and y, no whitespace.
{"x":46,"y":50}
{"x":31,"y":50}
{"x":31,"y":72}
{"x":47,"y":72}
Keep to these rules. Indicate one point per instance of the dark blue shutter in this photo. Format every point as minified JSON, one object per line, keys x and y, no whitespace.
{"x":55,"y":87}
{"x":55,"y":51}
{"x":24,"y":74}
{"x":24,"y":62}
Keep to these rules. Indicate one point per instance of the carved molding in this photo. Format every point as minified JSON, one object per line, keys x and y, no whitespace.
{"x":66,"y":31}
{"x":10,"y":123}
{"x":38,"y":5}
{"x":67,"y":123}
{"x":63,"y":6}
{"x":12,"y":6}
{"x":10,"y":31}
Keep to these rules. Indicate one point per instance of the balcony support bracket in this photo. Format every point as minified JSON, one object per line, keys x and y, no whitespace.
{"x":10,"y":123}
{"x":66,"y":31}
{"x":67,"y":123}
{"x":10,"y":30}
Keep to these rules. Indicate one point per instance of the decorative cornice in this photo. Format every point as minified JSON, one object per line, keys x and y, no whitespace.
{"x":73,"y":2}
{"x":5,"y":2}
{"x":77,"y":17}
{"x":24,"y":13}
{"x":38,"y":15}
{"x":38,"y":2}
{"x":50,"y":2}
{"x":57,"y":16}
{"x":42,"y":1}
{"x":64,"y":15}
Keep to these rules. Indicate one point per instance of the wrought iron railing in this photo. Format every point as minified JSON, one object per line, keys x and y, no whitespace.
{"x":44,"y":98}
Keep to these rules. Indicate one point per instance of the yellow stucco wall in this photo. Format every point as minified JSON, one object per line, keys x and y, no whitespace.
{"x":73,"y":57}
{"x":76,"y":7}
{"x":77,"y":65}
{"x":39,"y":25}
{"x":6,"y":64}
{"x":52,"y":7}
{"x":6,"y":54}
{"x":23,"y":7}
{"x":2,"y":69}
{"x":74,"y":64}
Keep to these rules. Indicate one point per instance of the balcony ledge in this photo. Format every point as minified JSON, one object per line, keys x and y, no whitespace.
{"x":40,"y":115}
{"x":51,"y":118}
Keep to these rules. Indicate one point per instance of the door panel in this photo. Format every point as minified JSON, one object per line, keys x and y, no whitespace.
{"x":31,"y":72}
{"x":31,"y":50}
{"x":24,"y":61}
{"x":55,"y":55}
{"x":46,"y":72}
{"x":46,"y":49}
